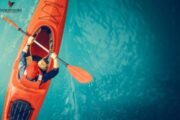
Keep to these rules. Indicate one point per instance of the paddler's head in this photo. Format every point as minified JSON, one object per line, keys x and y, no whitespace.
{"x":42,"y":65}
{"x":32,"y":71}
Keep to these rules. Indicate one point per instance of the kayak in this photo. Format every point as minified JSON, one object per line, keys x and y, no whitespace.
{"x":24,"y":98}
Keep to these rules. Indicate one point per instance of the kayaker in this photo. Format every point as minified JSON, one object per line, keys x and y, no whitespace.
{"x":36,"y":69}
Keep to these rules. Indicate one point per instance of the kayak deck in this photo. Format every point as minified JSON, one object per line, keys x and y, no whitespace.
{"x":21,"y":109}
{"x":47,"y":26}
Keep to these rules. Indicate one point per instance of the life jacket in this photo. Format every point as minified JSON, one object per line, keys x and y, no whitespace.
{"x":32,"y":76}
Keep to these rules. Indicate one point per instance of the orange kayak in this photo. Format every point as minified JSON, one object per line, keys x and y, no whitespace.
{"x":24,"y":99}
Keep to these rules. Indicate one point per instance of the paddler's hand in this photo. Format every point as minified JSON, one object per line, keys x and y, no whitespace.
{"x":53,"y":55}
{"x":55,"y":61}
{"x":30,"y":40}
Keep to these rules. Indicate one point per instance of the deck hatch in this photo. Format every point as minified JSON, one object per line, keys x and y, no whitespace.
{"x":20,"y":110}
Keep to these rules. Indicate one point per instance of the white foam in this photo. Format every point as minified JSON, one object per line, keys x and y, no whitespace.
{"x":2,"y":16}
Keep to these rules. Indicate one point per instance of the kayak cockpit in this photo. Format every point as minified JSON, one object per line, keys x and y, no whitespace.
{"x":43,"y":35}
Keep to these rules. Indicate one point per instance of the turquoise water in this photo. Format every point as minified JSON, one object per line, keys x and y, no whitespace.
{"x":130,"y":47}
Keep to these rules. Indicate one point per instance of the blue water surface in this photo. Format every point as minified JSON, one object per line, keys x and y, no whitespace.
{"x":130,"y":47}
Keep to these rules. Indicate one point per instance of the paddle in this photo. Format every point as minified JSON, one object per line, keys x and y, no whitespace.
{"x":78,"y":73}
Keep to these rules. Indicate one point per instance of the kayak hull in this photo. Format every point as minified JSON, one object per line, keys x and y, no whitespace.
{"x":51,"y":13}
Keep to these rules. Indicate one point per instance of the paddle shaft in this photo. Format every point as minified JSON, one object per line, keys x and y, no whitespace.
{"x":35,"y":41}
{"x":78,"y":73}
{"x":45,"y":49}
{"x":74,"y":71}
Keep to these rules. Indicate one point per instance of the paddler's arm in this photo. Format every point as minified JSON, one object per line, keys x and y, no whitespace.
{"x":49,"y":75}
{"x":29,"y":42}
{"x":23,"y":63}
{"x":25,"y":50}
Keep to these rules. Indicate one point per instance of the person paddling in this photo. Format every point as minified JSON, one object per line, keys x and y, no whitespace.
{"x":36,"y":70}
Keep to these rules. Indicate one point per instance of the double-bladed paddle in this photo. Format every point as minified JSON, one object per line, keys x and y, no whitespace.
{"x":78,"y":73}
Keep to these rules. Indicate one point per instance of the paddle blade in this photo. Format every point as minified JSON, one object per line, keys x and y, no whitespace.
{"x":79,"y":74}
{"x":9,"y":21}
